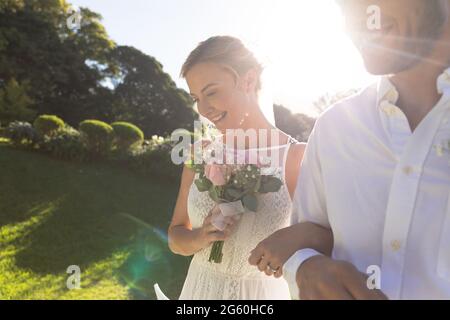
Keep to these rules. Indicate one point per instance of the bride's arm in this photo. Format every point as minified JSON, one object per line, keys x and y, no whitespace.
{"x":280,"y":246}
{"x":183,"y":239}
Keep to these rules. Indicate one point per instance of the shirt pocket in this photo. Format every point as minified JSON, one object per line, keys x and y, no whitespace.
{"x":443,"y":265}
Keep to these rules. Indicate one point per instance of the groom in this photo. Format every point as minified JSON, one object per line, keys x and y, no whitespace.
{"x":377,"y":167}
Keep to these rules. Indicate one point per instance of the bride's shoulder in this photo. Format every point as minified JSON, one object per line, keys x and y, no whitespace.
{"x":297,"y":151}
{"x":296,"y":148}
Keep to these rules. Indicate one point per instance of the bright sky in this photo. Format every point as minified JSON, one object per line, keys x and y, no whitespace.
{"x":302,"y":42}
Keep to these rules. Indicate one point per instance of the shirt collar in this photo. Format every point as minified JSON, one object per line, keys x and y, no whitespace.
{"x":443,"y":82}
{"x":386,"y":91}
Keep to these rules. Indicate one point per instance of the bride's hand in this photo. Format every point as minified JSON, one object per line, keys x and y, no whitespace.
{"x":272,"y":253}
{"x":208,"y":233}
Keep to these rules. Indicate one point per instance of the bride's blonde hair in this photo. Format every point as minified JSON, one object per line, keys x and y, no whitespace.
{"x":226,"y":51}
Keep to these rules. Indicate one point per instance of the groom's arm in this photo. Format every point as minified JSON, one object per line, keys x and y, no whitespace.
{"x":309,"y":273}
{"x":309,"y":205}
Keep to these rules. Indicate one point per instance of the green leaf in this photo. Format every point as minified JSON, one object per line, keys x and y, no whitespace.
{"x":270,"y":184}
{"x":233,"y":194}
{"x":203,"y":184}
{"x":250,"y":202}
{"x":214,"y":194}
{"x":258,"y":184}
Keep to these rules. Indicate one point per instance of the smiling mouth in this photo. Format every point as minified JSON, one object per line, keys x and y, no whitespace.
{"x":218,"y":118}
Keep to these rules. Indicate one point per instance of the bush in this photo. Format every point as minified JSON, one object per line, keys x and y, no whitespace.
{"x":126,"y":135}
{"x":21,"y":133}
{"x":48,"y":125}
{"x":154,"y":160}
{"x":66,"y":145}
{"x":97,"y":136}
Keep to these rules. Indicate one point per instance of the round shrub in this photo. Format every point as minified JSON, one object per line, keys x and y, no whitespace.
{"x":48,"y":125}
{"x":66,"y":145}
{"x":97,"y":136}
{"x":126,"y":135}
{"x":21,"y":133}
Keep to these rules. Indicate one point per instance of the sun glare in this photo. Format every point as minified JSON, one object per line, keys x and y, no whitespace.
{"x":307,"y":50}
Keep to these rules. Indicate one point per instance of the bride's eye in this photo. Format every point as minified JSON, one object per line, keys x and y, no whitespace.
{"x":211,"y":94}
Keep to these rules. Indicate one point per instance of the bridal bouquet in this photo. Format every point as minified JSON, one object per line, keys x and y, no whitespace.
{"x":234,"y":188}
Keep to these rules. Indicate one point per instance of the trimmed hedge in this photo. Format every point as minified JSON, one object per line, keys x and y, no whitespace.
{"x":48,"y":125}
{"x":126,"y":135}
{"x":21,"y":133}
{"x":66,"y":145}
{"x":97,"y":136}
{"x":93,"y":142}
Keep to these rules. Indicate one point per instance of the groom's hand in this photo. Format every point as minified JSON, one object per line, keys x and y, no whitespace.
{"x":322,"y":278}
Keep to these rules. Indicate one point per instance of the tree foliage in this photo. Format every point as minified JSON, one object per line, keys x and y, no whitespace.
{"x":15,"y":103}
{"x":297,"y":125}
{"x":81,"y":73}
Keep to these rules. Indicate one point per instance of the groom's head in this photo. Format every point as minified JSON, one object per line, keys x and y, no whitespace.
{"x":394,"y":35}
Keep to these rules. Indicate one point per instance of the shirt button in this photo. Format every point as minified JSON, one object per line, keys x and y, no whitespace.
{"x":407,"y":170}
{"x":390,"y":110}
{"x":396,"y":245}
{"x":392,"y":96}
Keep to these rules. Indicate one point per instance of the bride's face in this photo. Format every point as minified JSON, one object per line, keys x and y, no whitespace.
{"x":221,"y":97}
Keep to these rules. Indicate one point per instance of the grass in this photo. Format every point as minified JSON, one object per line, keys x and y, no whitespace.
{"x":54,"y":214}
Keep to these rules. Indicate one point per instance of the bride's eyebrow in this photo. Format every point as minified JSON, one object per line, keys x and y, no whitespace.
{"x":209,"y":86}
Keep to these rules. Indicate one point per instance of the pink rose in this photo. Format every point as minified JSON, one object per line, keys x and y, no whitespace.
{"x":217,"y":174}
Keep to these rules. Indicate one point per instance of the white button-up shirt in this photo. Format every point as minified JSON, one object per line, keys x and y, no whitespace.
{"x":383,"y":190}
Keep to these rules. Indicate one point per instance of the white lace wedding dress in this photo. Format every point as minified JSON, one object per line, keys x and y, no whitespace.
{"x":234,"y":278}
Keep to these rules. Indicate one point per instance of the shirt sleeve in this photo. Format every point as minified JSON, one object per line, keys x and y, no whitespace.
{"x":291,"y":266}
{"x":308,"y":205}
{"x":309,"y":202}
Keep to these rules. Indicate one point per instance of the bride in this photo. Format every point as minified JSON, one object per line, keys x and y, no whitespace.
{"x":224,"y":79}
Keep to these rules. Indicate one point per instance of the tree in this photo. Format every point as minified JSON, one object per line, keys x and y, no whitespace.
{"x":14,"y":103}
{"x":146,"y":96}
{"x":81,"y":74}
{"x":297,"y":125}
{"x":59,"y":64}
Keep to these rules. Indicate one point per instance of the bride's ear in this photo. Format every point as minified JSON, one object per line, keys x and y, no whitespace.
{"x":251,"y":80}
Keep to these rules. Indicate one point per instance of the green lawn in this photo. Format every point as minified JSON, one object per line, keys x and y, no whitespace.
{"x":54,"y":214}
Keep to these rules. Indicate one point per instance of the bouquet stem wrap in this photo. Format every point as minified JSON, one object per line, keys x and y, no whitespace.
{"x":228,"y":209}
